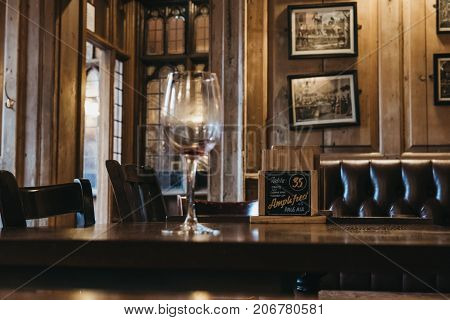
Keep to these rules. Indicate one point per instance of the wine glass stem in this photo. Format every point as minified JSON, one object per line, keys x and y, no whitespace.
{"x":191,"y":169}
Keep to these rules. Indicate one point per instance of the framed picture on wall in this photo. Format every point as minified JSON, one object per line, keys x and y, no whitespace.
{"x":443,"y":16}
{"x":324,"y":100}
{"x":323,"y":30}
{"x":442,"y":79}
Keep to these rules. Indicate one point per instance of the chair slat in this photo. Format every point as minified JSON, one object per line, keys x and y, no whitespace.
{"x":48,"y":201}
{"x":20,"y":204}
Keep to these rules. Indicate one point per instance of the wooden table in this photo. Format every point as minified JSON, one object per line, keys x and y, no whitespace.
{"x":240,"y":247}
{"x":128,"y":252}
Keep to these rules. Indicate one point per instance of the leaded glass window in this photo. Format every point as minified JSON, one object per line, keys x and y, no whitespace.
{"x":175,"y":27}
{"x":155,"y":34}
{"x":201,"y":31}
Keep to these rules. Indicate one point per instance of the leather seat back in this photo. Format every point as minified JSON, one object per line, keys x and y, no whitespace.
{"x":387,"y":188}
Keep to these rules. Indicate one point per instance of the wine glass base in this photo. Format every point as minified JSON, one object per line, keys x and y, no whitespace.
{"x":190,"y":229}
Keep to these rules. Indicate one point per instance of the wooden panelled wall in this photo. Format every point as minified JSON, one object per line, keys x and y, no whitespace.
{"x":397,"y":40}
{"x":49,"y":110}
{"x":227,"y":60}
{"x":47,"y":82}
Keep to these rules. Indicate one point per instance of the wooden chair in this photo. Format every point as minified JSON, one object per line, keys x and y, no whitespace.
{"x":137,"y":193}
{"x":211,"y":208}
{"x":20,"y":204}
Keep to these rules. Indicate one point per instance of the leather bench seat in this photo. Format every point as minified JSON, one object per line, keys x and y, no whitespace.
{"x":387,"y":188}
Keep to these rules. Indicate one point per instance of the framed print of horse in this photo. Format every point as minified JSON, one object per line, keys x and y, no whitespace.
{"x":443,"y":16}
{"x":323,"y":30}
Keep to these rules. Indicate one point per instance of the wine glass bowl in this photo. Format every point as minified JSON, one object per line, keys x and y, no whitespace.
{"x":191,"y":118}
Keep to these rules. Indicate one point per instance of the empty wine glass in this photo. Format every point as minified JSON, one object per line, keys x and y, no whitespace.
{"x":191,"y":118}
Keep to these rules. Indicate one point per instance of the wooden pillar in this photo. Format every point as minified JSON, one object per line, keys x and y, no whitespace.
{"x":228,"y":26}
{"x":133,"y":83}
{"x":256,"y":106}
{"x":391,"y":76}
{"x":11,"y":86}
{"x":415,"y":75}
{"x":69,"y":90}
{"x":70,"y":48}
{"x":32,"y":84}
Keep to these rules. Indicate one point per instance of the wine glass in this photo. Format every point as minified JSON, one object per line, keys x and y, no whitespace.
{"x":191,"y":118}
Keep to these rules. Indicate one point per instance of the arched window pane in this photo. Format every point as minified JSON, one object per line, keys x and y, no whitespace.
{"x":201,"y":32}
{"x":175,"y":35}
{"x":155,"y":36}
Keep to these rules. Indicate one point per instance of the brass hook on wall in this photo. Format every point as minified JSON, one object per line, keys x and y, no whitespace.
{"x":9,"y":102}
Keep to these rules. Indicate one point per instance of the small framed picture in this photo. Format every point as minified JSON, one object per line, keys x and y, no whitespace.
{"x":443,"y":16}
{"x":442,"y":79}
{"x":323,"y":30}
{"x":324,"y":100}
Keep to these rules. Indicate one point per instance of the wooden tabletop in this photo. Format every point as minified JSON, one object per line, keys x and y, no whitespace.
{"x":240,"y":247}
{"x":91,"y":294}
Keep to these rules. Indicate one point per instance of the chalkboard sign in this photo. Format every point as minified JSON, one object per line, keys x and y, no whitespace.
{"x":288,"y":193}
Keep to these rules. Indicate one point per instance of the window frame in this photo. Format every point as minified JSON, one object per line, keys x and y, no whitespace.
{"x":114,"y":51}
{"x":198,"y":15}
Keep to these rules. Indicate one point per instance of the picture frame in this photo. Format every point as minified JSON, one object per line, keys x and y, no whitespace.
{"x":441,"y":75}
{"x":329,"y":99}
{"x":442,"y":16}
{"x":323,"y":30}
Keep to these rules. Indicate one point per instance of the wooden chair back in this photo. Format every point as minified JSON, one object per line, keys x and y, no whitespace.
{"x":212,"y":208}
{"x":137,"y":193}
{"x":20,"y":204}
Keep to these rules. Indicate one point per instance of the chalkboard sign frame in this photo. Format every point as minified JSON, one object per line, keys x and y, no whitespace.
{"x":282,"y":197}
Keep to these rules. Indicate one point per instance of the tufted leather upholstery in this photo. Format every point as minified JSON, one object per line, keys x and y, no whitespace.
{"x":388,"y":188}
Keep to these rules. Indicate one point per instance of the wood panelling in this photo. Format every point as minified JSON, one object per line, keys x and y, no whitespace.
{"x":217,"y":23}
{"x":68,"y":101}
{"x":69,"y":90}
{"x":438,"y":118}
{"x":45,"y":74}
{"x":415,"y":74}
{"x":47,"y":98}
{"x":33,"y":88}
{"x":366,"y":134}
{"x":256,"y":106}
{"x":228,"y":61}
{"x":363,"y":137}
{"x":390,"y":70}
{"x":2,"y":51}
{"x":397,"y":40}
{"x":426,"y":125}
{"x":132,"y":80}
{"x":279,"y":67}
{"x":11,"y":87}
